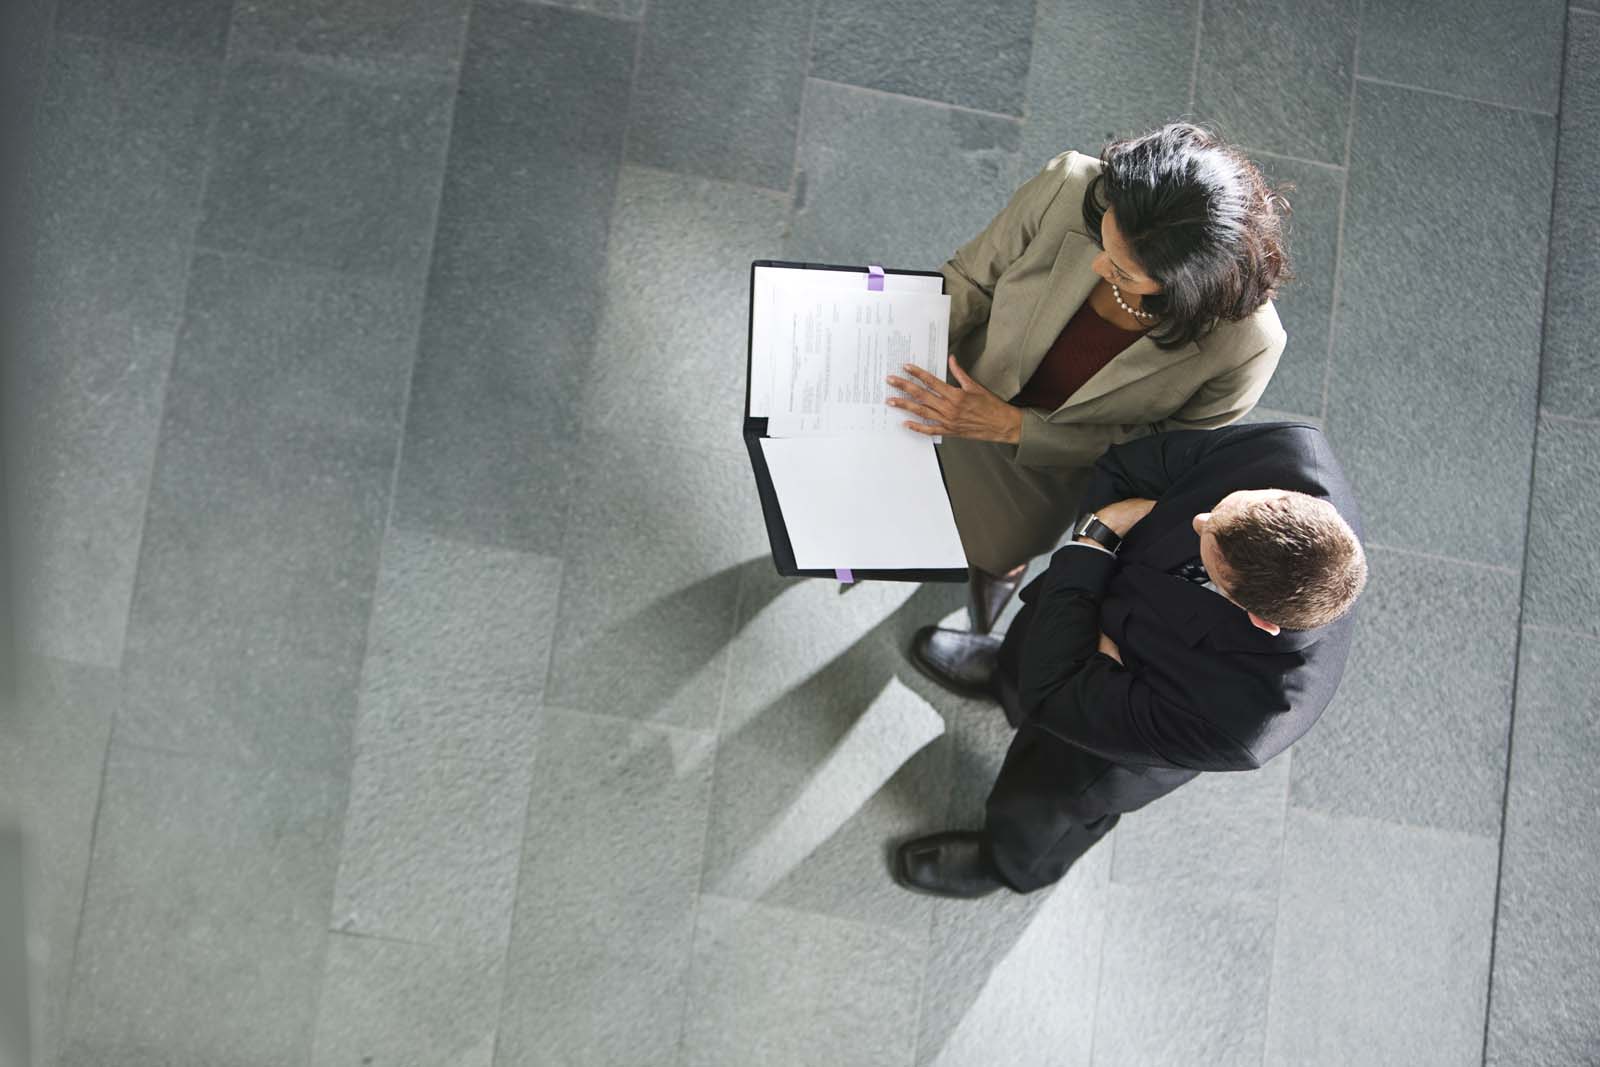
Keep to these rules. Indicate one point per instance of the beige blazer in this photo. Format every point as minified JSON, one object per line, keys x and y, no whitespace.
{"x":1012,"y":290}
{"x":1014,"y":287}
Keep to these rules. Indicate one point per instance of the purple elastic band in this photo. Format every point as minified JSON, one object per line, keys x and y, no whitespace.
{"x":875,"y":278}
{"x":844,"y":575}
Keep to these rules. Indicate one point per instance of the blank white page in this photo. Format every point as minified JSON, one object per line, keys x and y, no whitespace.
{"x":860,"y":502}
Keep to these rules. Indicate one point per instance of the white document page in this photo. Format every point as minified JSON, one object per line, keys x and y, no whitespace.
{"x":863,"y":502}
{"x":834,"y":349}
{"x":769,"y":281}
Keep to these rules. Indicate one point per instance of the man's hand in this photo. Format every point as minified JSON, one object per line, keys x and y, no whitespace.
{"x":1125,"y":514}
{"x":966,"y":409}
{"x":1109,"y":648}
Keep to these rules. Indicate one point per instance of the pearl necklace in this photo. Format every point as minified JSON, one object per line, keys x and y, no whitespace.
{"x":1116,"y":294}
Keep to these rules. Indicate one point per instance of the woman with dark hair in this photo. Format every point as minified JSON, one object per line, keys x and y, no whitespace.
{"x":1110,"y":299}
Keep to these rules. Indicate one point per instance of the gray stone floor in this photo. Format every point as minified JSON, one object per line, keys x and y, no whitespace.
{"x":405,"y":679}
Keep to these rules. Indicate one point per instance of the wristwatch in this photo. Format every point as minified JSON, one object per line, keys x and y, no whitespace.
{"x":1100,"y":533}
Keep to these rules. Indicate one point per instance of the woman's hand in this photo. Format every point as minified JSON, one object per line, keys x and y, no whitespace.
{"x":1109,"y":647}
{"x":963,"y":410}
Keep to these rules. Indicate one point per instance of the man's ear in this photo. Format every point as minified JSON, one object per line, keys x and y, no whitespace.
{"x":1200,"y":520}
{"x":1262,"y":624}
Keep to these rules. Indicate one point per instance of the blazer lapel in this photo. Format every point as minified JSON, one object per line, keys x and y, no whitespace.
{"x":1139,"y":360}
{"x":1071,"y":280}
{"x":1069,"y":286}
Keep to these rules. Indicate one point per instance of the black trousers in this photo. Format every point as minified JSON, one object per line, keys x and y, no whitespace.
{"x":1052,"y":801}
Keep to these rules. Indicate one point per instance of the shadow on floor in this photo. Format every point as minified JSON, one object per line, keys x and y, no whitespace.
{"x":784,"y":757}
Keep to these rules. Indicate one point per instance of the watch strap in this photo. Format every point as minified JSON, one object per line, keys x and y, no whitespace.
{"x":1099,"y":533}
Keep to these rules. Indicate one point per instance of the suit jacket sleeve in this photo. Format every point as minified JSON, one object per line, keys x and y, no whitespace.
{"x":1220,"y":401}
{"x":1071,"y":691}
{"x":970,"y":275}
{"x":1146,"y":467}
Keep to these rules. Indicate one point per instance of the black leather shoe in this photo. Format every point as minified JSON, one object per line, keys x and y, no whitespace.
{"x":950,"y":864}
{"x":962,"y":662}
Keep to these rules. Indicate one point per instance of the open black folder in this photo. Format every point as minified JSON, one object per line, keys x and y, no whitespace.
{"x":764,"y":276}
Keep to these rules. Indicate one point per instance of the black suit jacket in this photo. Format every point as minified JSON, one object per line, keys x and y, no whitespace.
{"x":1199,"y":687}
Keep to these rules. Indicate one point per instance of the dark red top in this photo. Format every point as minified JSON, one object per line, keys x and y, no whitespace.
{"x":1086,"y":344}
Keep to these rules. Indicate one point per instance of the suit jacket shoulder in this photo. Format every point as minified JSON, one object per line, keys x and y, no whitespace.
{"x":1076,"y":170}
{"x":1259,"y":332}
{"x":1278,"y":455}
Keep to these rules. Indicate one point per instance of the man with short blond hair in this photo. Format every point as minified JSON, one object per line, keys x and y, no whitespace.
{"x":1200,"y":621}
{"x":1289,"y":557}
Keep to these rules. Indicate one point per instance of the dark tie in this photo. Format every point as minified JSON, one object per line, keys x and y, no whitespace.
{"x":1192,"y":570}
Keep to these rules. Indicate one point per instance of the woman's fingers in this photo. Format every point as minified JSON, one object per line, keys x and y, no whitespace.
{"x":929,"y":381}
{"x":927,"y":428}
{"x":922,"y":411}
{"x":916,"y":394}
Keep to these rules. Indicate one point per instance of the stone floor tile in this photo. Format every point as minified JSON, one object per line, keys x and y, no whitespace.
{"x":1563,"y":580}
{"x":206,"y":918}
{"x":113,"y":194}
{"x":1185,"y":977}
{"x":1546,"y":961}
{"x":729,"y":111}
{"x":1504,"y":51}
{"x":1143,"y":47}
{"x":812,"y":796}
{"x":828,"y":726}
{"x":1221,"y":833}
{"x":975,"y":56}
{"x":867,"y":194}
{"x":430,"y":848}
{"x":782,"y":988}
{"x":1305,"y":304}
{"x":271,"y":486}
{"x":1427,"y":689}
{"x":458,"y":649}
{"x":1571,"y":373}
{"x":328,"y":165}
{"x":513,"y":292}
{"x":607,"y":895}
{"x":1275,"y":74}
{"x":424,"y":35}
{"x":63,"y":715}
{"x":1014,"y":975}
{"x":395,"y":1002}
{"x":670,"y":363}
{"x":185,"y":27}
{"x":1434,"y":370}
{"x":1382,"y":947}
{"x":657,"y":540}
